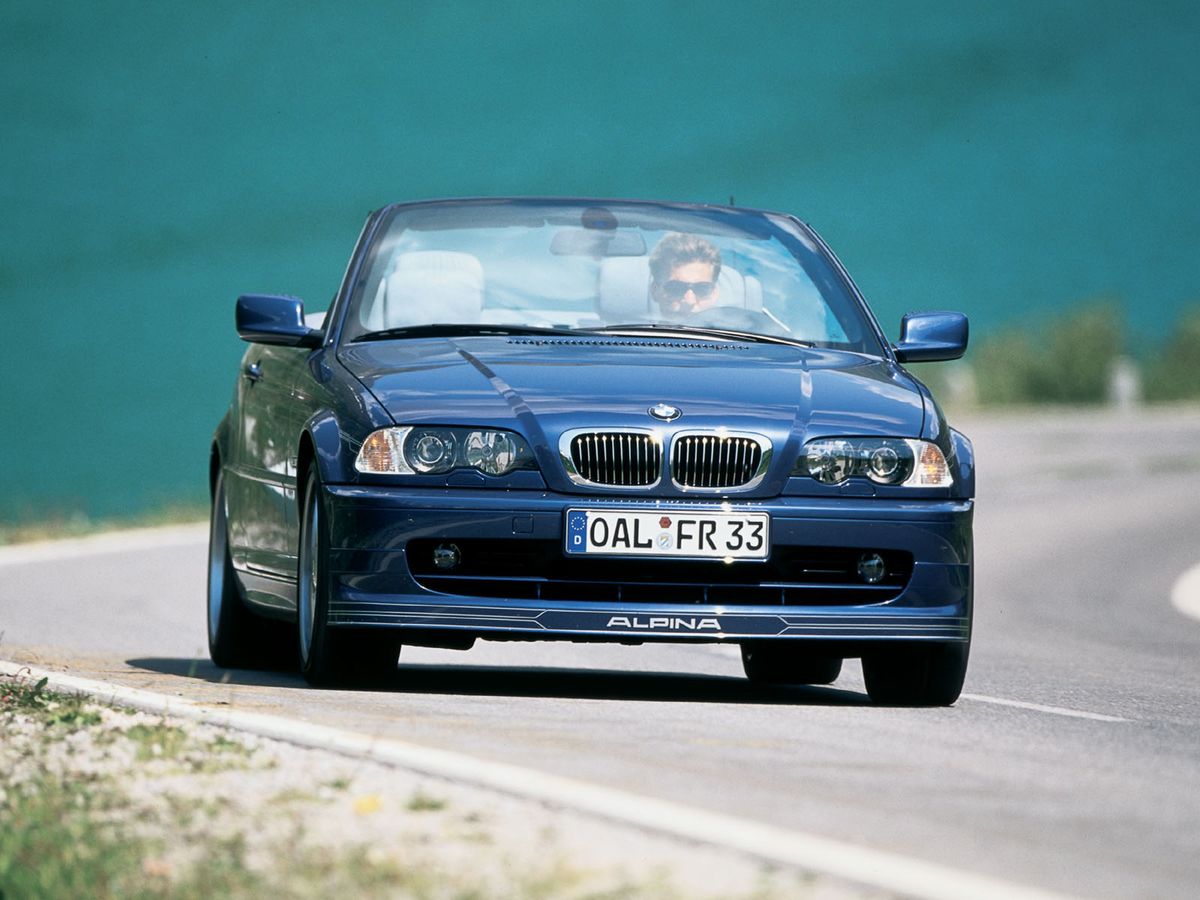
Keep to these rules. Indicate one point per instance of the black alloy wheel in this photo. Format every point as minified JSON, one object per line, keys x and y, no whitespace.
{"x":237,"y":639}
{"x":330,"y":655}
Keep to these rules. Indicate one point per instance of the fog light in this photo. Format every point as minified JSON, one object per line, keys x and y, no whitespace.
{"x":871,"y":568}
{"x":446,"y":556}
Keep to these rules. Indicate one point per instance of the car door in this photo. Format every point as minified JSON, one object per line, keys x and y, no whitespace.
{"x":264,"y":473}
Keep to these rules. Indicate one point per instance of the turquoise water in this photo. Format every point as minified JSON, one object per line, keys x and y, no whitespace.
{"x":1007,"y":160}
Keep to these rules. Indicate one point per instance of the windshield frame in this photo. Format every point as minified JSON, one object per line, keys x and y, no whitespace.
{"x":810,"y":252}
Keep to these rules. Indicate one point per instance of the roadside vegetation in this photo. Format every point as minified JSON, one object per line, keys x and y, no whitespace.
{"x":101,"y":802}
{"x":1174,"y":373}
{"x":1081,"y":357}
{"x":33,"y":526}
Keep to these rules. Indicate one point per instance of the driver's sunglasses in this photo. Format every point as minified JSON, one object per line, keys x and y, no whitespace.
{"x":674,"y":290}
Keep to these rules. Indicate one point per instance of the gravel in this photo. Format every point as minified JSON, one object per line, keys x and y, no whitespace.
{"x":190,"y":784}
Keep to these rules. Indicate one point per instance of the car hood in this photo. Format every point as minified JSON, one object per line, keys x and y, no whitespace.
{"x":550,"y":385}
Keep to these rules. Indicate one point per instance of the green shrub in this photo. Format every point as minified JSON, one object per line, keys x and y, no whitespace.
{"x":1174,"y":373}
{"x":1067,"y":360}
{"x":1007,"y":369}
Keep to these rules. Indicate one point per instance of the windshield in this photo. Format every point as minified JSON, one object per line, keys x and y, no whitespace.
{"x":623,"y":267}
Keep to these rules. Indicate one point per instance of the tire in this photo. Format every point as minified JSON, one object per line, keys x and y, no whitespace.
{"x":917,"y":674}
{"x":237,"y":639}
{"x":331,"y":656}
{"x":784,"y":663}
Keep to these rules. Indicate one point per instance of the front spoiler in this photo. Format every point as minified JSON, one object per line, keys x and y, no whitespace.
{"x":372,"y":586}
{"x":669,"y":623}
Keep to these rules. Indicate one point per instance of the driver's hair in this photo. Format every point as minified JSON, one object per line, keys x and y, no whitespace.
{"x":677,"y":249}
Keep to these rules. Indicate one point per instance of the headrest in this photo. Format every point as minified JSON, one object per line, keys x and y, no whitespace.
{"x":731,"y":288}
{"x":427,"y":286}
{"x":624,"y":289}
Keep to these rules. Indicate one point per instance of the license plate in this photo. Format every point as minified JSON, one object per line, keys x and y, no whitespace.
{"x":696,"y":535}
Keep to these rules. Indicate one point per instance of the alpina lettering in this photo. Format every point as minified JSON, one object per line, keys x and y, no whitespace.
{"x":671,"y":622}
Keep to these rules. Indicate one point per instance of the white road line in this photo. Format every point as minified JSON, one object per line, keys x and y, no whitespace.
{"x":874,"y":868}
{"x":1039,"y":707}
{"x":732,"y":650}
{"x":132,"y":540}
{"x":1185,"y":595}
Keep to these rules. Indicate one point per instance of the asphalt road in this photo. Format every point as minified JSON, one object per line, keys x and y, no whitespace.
{"x":1072,"y":762}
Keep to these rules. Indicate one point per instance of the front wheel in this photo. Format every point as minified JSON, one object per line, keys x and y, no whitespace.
{"x":779,"y":662}
{"x":328,"y":655}
{"x":916,"y":674}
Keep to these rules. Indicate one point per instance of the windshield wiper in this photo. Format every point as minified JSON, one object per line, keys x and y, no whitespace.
{"x":460,"y":329}
{"x":692,"y":330}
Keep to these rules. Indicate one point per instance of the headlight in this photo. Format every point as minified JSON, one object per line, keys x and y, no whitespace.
{"x":430,"y":452}
{"x":433,"y":451}
{"x":892,"y":461}
{"x":494,"y":452}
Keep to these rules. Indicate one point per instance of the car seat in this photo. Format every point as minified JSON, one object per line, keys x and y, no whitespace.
{"x":428,"y":286}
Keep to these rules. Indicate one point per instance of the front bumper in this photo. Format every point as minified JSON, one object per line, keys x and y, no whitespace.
{"x":377,"y":582}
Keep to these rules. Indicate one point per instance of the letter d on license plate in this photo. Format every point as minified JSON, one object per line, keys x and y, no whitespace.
{"x":697,"y":535}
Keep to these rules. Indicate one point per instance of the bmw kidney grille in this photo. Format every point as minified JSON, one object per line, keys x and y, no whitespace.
{"x":715,"y":461}
{"x":617,"y":458}
{"x":699,"y":461}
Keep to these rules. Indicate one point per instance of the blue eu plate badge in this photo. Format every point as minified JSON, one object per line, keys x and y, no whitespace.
{"x":576,"y":531}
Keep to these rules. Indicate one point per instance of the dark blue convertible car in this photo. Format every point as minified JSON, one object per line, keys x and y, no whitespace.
{"x":593,"y":420}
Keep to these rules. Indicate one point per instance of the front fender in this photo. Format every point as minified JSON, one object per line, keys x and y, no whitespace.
{"x":330,"y":449}
{"x":961,"y":452}
{"x":344,"y":413}
{"x":964,"y":456}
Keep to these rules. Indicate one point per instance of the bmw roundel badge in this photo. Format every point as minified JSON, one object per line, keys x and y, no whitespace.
{"x":666,"y":412}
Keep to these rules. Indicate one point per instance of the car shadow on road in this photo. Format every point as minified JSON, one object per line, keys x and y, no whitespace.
{"x":540,"y":681}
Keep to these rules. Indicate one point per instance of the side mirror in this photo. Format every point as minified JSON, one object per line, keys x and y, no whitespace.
{"x":932,"y":336}
{"x":267,"y":319}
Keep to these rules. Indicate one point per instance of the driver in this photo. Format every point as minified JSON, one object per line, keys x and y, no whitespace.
{"x":683,"y":274}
